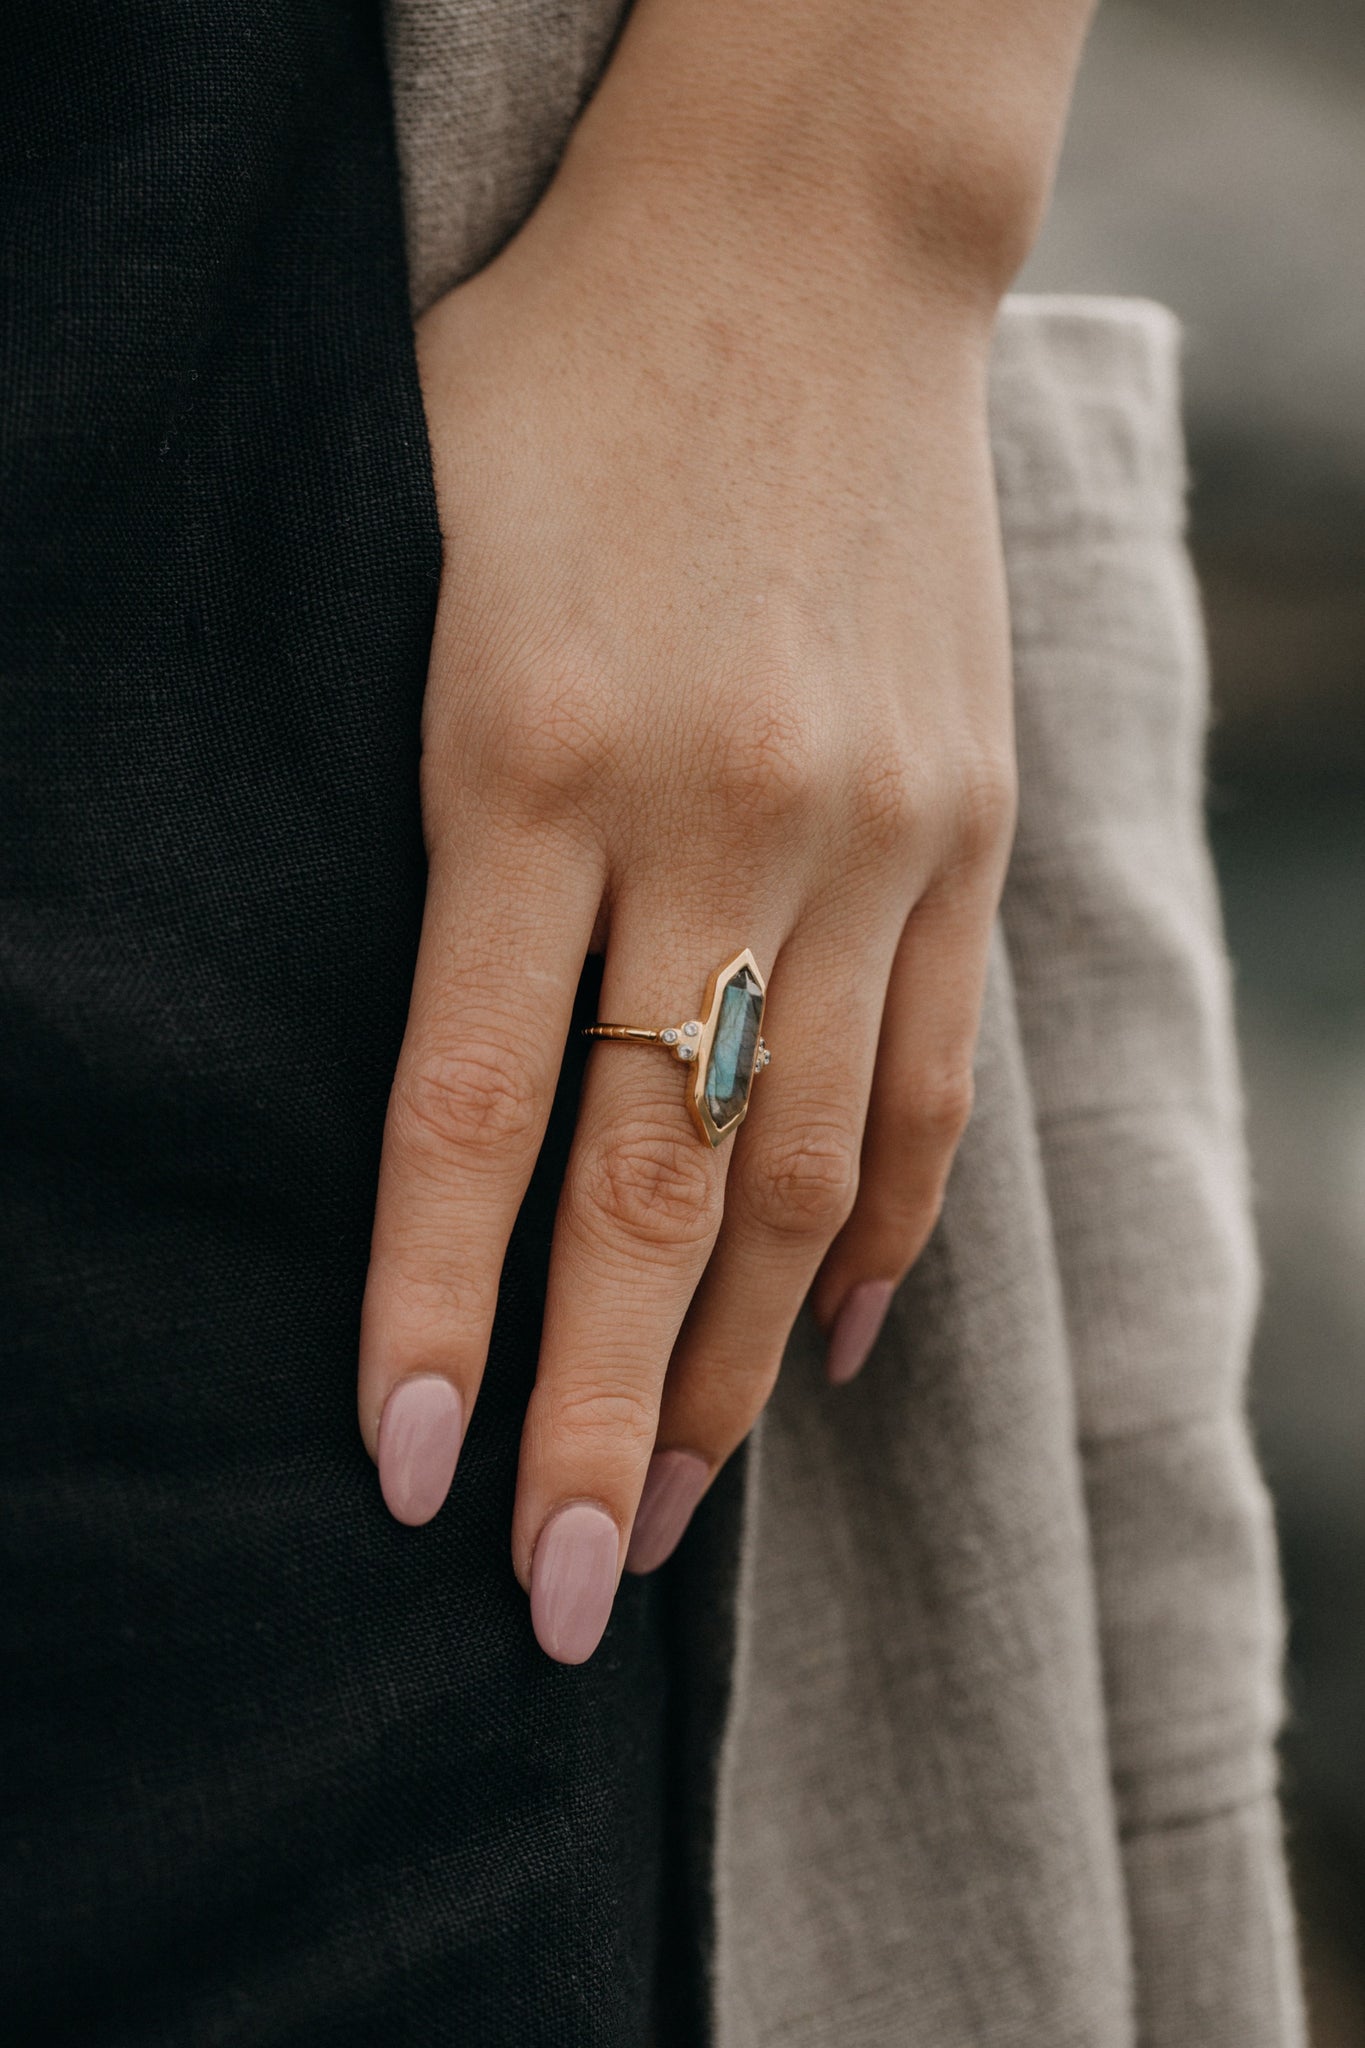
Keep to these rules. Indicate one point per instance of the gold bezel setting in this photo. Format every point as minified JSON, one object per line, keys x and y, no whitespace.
{"x":716,"y":985}
{"x":693,"y":1041}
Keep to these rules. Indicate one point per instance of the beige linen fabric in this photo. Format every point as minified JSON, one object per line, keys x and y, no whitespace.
{"x":1000,"y":1762}
{"x":485,"y":93}
{"x":998,"y":1769}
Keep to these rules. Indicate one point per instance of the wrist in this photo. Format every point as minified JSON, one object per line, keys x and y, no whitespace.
{"x":873,"y":144}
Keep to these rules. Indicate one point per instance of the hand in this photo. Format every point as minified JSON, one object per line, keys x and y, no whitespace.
{"x":721,"y":660}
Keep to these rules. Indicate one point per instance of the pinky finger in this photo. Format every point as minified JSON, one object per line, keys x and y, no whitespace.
{"x":920,"y":1105}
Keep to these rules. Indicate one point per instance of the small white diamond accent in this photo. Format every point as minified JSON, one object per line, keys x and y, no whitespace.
{"x":687,"y":1052}
{"x":669,"y":1037}
{"x":691,"y":1030}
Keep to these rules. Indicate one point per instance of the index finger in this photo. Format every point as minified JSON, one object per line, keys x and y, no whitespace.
{"x":502,"y":948}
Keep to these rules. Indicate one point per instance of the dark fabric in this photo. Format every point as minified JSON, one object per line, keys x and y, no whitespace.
{"x":700,"y":1591}
{"x":276,"y":1769}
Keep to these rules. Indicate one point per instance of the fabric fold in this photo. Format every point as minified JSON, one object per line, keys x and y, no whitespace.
{"x":956,"y":1690}
{"x":1124,"y":1003}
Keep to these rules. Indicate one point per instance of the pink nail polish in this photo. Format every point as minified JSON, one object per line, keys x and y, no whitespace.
{"x":855,"y":1329}
{"x":675,"y":1482}
{"x":573,"y":1581}
{"x":420,"y":1433}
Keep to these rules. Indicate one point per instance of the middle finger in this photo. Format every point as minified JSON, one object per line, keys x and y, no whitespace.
{"x":637,"y":1218}
{"x":791,"y":1187}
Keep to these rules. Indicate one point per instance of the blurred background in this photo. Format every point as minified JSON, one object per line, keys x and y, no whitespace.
{"x":1216,"y":161}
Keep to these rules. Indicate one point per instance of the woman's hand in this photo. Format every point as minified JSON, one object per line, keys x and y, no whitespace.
{"x":721,"y":660}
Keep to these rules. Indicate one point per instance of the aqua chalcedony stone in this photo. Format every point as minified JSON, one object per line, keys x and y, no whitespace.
{"x":730,"y":1069}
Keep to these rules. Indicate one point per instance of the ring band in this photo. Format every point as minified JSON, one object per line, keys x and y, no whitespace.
{"x":723,"y":1046}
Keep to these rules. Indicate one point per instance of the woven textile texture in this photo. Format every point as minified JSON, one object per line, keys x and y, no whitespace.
{"x":277,"y":1771}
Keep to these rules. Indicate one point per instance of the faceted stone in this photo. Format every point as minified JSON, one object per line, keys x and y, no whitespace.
{"x":730,"y":1069}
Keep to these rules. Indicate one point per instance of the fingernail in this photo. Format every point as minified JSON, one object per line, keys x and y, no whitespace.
{"x":419,"y":1441}
{"x":674,"y":1483}
{"x":573,"y":1581}
{"x":855,"y":1329}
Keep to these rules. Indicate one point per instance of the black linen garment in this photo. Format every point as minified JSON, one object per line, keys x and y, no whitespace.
{"x":278,"y":1771}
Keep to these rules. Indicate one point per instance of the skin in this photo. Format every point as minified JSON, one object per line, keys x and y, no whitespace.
{"x":721,"y":659}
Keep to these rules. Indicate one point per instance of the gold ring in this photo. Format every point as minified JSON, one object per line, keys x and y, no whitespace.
{"x":723,"y":1046}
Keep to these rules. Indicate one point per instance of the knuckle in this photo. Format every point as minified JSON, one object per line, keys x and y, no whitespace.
{"x":884,"y":801}
{"x":652,"y":1187}
{"x":468,"y":1098}
{"x":558,"y":745}
{"x":805,"y":1185}
{"x":987,"y":801}
{"x":902,"y":1220}
{"x":755,"y":1390}
{"x":431,"y":1303}
{"x":770,"y":761}
{"x":606,"y":1412}
{"x":727,"y":1394}
{"x":924,"y":1222}
{"x":942,"y":1104}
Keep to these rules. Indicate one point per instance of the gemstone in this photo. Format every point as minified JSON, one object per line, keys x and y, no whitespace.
{"x":730,"y":1069}
{"x":669,"y":1037}
{"x":692,"y":1030}
{"x":687,"y":1052}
